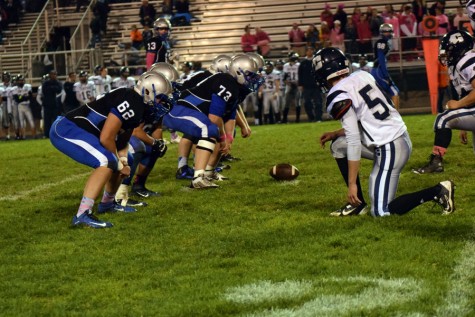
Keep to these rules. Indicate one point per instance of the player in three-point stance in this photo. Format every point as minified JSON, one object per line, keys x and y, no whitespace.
{"x":370,"y":122}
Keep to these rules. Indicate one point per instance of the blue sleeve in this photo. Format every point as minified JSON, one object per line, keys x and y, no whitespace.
{"x":382,"y":64}
{"x":217,"y":106}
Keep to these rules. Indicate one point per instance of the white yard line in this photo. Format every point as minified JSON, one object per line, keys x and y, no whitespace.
{"x":459,"y":299}
{"x":41,"y":188}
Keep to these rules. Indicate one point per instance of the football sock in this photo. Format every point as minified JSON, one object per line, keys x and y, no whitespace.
{"x":209,"y":170}
{"x":407,"y":202}
{"x":86,"y":204}
{"x":107,"y":198}
{"x":437,"y":150}
{"x":139,"y":181}
{"x":198,"y":173}
{"x":442,"y":138}
{"x":182,"y":161}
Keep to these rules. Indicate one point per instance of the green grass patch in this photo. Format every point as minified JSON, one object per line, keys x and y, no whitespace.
{"x":253,"y":247}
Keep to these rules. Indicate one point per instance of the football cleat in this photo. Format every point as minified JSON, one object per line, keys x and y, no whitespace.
{"x":89,"y":220}
{"x":446,"y":197}
{"x":114,"y":207}
{"x":202,"y":182}
{"x":184,"y":172}
{"x":215,"y":176}
{"x":435,"y":165}
{"x":131,"y":202}
{"x":350,"y":210}
{"x":144,"y":192}
{"x":229,"y":158}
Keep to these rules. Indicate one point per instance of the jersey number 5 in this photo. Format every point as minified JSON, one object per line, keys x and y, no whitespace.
{"x":379,"y":107}
{"x":124,"y":111}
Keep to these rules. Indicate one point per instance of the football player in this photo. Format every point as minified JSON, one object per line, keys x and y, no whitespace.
{"x":124,"y":80}
{"x":101,"y":79}
{"x":6,"y":116}
{"x":382,"y":47}
{"x":84,"y":89}
{"x":455,"y":51}
{"x":269,"y":92}
{"x":203,"y":110}
{"x":21,"y":95}
{"x":158,"y":47}
{"x":370,"y":121}
{"x":291,"y":78}
{"x":97,"y":135}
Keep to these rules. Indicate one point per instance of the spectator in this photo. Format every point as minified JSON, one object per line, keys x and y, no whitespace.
{"x":80,"y":3}
{"x":337,"y":37}
{"x":136,"y":37}
{"x":327,"y":16}
{"x":375,"y":22}
{"x":297,"y":40}
{"x":443,"y":21}
{"x":388,"y":8}
{"x":50,"y":88}
{"x":364,"y":35}
{"x":356,"y":16}
{"x":187,"y":70}
{"x":394,"y":21}
{"x":325,"y":35}
{"x":351,"y":35}
{"x":182,"y":15}
{"x":312,"y":95}
{"x":167,"y":8}
{"x":248,"y":40}
{"x":459,"y":18}
{"x":341,"y":15}
{"x":263,"y":41}
{"x":438,"y":4}
{"x":313,"y":36}
{"x":408,"y":25}
{"x":102,"y":9}
{"x":419,"y":8}
{"x":12,"y":9}
{"x":95,"y":26}
{"x":147,"y":13}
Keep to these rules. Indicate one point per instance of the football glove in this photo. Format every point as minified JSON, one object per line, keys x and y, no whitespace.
{"x":159,"y":147}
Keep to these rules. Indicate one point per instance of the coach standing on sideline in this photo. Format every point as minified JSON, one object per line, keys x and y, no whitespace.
{"x":50,"y":89}
{"x":311,"y":94}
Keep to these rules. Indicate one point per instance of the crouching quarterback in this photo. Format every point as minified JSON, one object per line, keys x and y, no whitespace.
{"x":97,"y":134}
{"x":370,"y":122}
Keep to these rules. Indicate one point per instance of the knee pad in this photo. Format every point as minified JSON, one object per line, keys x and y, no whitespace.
{"x":206,"y":144}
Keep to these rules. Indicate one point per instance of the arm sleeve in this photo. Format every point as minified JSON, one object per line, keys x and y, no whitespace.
{"x":352,"y":134}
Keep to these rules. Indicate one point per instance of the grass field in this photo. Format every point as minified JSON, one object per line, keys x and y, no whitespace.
{"x":253,"y":247}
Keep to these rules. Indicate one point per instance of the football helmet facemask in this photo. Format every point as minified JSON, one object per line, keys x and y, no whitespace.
{"x":162,"y":23}
{"x":156,"y":91}
{"x":329,"y":63}
{"x":244,"y":69}
{"x":220,"y":64}
{"x":269,"y":67}
{"x":453,"y":47}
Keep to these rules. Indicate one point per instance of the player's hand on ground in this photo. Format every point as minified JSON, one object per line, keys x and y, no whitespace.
{"x":463,"y":137}
{"x":125,"y":172}
{"x":353,"y":195}
{"x":245,"y":133}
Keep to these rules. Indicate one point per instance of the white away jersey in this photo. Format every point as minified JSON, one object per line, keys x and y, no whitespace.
{"x":371,"y":115}
{"x":270,"y":79}
{"x":102,"y":84}
{"x":463,"y":73}
{"x":291,"y":72}
{"x":118,"y":82}
{"x":84,"y":92}
{"x":471,"y":11}
{"x":22,"y":94}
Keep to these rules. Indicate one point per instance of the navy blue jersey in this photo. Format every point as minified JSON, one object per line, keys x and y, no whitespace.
{"x":158,"y":47}
{"x":125,"y":103}
{"x":194,"y":79}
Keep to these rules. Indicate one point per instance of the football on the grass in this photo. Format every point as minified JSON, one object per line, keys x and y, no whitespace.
{"x":284,"y":172}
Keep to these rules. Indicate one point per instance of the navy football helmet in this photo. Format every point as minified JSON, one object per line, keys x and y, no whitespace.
{"x":6,"y":77}
{"x":453,"y":47}
{"x":329,"y":63}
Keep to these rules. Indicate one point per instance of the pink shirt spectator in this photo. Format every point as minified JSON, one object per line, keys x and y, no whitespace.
{"x":296,"y":36}
{"x":408,"y":23}
{"x":393,"y":19}
{"x":248,"y":40}
{"x":444,"y":25}
{"x":337,"y":37}
{"x":327,"y":16}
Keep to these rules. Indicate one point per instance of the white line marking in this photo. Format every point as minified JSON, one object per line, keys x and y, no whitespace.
{"x":461,"y":292}
{"x":41,"y":188}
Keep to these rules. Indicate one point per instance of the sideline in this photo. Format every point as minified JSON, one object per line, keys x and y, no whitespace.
{"x":41,"y":188}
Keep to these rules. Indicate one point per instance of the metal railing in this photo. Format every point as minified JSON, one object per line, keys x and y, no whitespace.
{"x":81,"y":37}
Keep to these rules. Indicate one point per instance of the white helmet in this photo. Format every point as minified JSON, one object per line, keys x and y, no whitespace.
{"x":152,"y":86}
{"x":258,"y":59}
{"x":220,"y":64}
{"x":166,"y":69}
{"x":244,"y":69}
